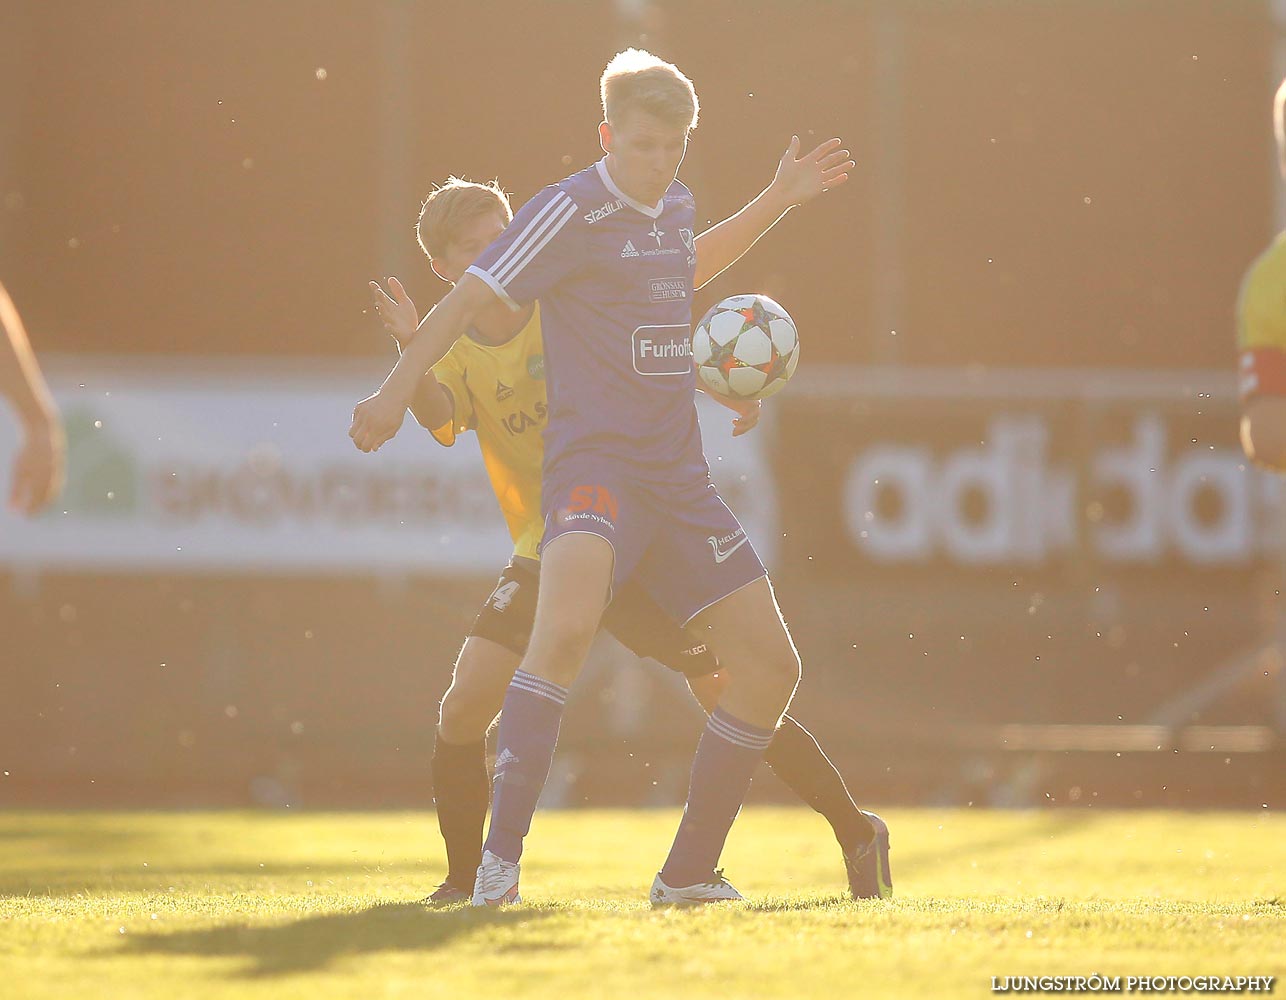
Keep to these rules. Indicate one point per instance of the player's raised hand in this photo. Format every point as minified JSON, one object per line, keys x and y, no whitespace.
{"x":376,"y":419}
{"x":396,"y":311}
{"x":802,"y":178}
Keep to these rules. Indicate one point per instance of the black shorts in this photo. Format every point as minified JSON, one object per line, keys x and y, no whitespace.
{"x":633,"y":618}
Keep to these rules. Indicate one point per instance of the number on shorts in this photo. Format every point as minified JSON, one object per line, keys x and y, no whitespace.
{"x":503,"y":595}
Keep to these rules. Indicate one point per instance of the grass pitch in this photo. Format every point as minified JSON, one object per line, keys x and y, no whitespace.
{"x":320,"y":906}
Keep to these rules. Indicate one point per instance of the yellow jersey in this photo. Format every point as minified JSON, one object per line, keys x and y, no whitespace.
{"x":499,"y":393}
{"x":1261,"y":324}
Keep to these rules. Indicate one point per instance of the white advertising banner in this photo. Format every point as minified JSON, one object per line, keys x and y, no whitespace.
{"x":249,"y":468}
{"x":1064,"y":469}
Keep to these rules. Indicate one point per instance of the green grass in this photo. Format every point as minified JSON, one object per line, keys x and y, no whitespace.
{"x":318,"y":906}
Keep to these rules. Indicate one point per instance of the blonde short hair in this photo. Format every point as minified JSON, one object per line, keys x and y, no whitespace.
{"x":453,"y":204}
{"x":1279,"y":124}
{"x":636,"y":80}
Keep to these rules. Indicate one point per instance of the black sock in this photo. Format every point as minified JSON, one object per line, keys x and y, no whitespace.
{"x":796,"y":758}
{"x":461,"y":795}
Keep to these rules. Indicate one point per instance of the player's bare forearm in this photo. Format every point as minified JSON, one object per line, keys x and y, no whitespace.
{"x":39,"y":465}
{"x":378,"y":417}
{"x":442,"y":327}
{"x":431,"y":405}
{"x":20,"y":379}
{"x":721,"y":246}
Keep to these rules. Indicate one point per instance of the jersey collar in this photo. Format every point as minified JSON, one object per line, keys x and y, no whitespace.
{"x":652,"y":212}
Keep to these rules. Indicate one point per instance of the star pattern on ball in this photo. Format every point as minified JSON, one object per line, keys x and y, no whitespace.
{"x":755,"y":316}
{"x":776,"y":366}
{"x":724,"y":358}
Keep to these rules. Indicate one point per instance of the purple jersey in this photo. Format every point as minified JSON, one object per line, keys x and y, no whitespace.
{"x":614,"y":279}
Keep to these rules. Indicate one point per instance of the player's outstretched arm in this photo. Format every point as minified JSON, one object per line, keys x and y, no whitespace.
{"x":432,"y":405}
{"x":38,"y":467}
{"x":378,"y":417}
{"x":799,"y":179}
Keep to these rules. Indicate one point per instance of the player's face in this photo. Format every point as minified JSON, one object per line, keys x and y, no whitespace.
{"x":474,"y":237}
{"x":643,"y":154}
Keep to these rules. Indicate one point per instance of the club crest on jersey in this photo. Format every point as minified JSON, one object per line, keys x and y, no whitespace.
{"x":662,"y":350}
{"x":690,"y":241}
{"x":503,"y":391}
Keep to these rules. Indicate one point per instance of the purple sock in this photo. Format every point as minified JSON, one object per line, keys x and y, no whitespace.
{"x":726,"y":759}
{"x":526,"y":738}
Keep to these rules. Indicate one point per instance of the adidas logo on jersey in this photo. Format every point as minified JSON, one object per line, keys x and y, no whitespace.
{"x":628,"y":250}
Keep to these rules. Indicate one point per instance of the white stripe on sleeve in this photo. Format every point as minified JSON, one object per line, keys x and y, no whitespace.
{"x":530,"y":230}
{"x":515,"y":266}
{"x":535,"y":242}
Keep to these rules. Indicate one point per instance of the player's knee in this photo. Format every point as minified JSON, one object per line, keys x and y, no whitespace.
{"x":784,"y":668}
{"x":774,"y":666}
{"x":465,"y":713}
{"x":708,"y":689}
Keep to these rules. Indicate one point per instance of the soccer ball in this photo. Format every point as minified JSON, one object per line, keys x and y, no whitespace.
{"x":746,"y":347}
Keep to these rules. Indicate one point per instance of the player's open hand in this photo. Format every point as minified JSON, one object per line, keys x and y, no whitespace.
{"x":376,"y":419}
{"x":396,"y":311}
{"x":38,"y":467}
{"x":802,"y":178}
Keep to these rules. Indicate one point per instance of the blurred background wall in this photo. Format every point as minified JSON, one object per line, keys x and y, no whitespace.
{"x":1017,"y":311}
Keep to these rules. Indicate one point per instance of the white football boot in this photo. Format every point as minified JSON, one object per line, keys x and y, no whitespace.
{"x":718,"y":890}
{"x":497,"y":882}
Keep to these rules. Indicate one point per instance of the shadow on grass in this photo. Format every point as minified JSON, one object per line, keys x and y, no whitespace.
{"x":313,"y":943}
{"x":118,"y":877}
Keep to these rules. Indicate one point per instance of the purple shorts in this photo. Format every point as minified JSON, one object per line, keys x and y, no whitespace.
{"x":681,"y":545}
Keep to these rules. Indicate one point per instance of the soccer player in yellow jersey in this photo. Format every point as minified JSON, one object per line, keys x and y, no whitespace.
{"x":1261,"y":337}
{"x":492,"y":382}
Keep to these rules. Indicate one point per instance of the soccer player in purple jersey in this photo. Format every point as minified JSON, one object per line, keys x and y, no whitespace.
{"x":626,"y":490}
{"x":457,"y":222}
